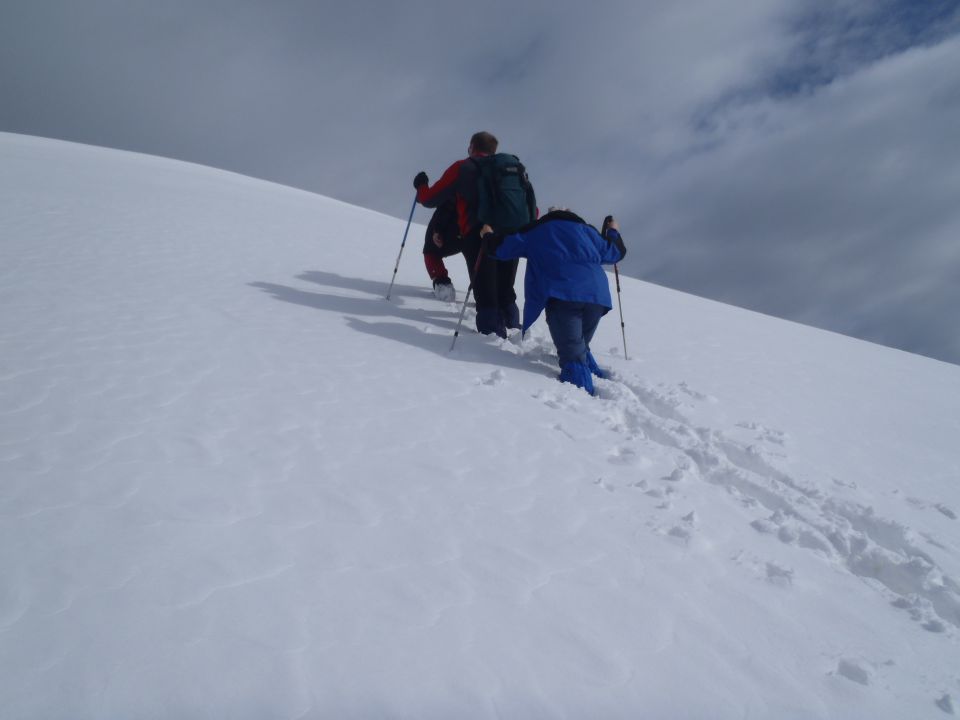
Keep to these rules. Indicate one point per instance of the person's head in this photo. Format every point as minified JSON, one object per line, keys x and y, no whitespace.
{"x":483,"y":143}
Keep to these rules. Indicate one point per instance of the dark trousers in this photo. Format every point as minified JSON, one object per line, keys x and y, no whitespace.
{"x":451,"y":246}
{"x":493,"y":280}
{"x":433,"y":256}
{"x":572,"y":325}
{"x":436,"y":268}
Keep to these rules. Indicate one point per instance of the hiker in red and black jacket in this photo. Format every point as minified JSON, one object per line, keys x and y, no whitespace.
{"x":441,"y":241}
{"x":492,"y":281}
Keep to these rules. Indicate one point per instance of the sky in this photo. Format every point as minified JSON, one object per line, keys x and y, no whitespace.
{"x":800,"y":159}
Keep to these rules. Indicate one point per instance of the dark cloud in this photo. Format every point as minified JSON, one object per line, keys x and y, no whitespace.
{"x":836,"y":209}
{"x":832,"y":39}
{"x":795,"y":158}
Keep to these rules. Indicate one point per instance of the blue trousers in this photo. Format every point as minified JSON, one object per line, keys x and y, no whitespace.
{"x":572,"y":325}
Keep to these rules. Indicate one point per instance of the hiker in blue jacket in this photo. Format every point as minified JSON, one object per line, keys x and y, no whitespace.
{"x":565,"y":278}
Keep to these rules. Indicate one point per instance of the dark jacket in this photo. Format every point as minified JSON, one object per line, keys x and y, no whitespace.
{"x":458,"y":183}
{"x":444,"y":223}
{"x":564,"y":258}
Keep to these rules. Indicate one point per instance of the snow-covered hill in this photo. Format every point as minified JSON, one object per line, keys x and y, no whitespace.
{"x":235,"y":481}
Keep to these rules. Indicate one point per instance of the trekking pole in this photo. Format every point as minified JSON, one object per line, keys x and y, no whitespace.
{"x":463,"y":308}
{"x":403,"y":242}
{"x":616,"y":273}
{"x":623,"y":330}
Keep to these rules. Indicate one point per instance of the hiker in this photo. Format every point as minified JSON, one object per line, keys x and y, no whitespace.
{"x":565,"y":278}
{"x":442,"y":240}
{"x":475,"y":185}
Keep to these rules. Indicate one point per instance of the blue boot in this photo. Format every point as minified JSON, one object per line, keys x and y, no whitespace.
{"x":578,"y":374}
{"x":594,"y":368}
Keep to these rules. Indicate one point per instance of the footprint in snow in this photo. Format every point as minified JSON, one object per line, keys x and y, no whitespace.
{"x":946,"y":511}
{"x":939,"y":507}
{"x":560,"y":429}
{"x":771,"y":572}
{"x":604,"y":484}
{"x":685,"y":529}
{"x":623,"y":455}
{"x":849,"y":484}
{"x":660,"y":493}
{"x":854,"y":670}
{"x":922,"y":611}
{"x":763,"y":433}
{"x":779,"y":575}
{"x":677,"y":475}
{"x":696,"y":395}
{"x":559,"y":400}
{"x":494,"y":378}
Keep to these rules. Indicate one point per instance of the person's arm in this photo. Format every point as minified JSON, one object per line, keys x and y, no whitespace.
{"x":503,"y":247}
{"x":615,"y":250}
{"x":442,"y":190}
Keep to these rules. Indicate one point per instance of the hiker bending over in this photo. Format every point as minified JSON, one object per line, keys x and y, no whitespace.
{"x":442,"y":240}
{"x":490,"y":188}
{"x":564,"y":277}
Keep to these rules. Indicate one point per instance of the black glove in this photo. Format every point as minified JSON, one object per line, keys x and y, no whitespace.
{"x":613,"y":237}
{"x":420,"y":180}
{"x":490,"y":242}
{"x":606,"y":224}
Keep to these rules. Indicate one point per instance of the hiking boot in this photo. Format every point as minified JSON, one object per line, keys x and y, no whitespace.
{"x":578,"y":374}
{"x":511,"y":316}
{"x":594,"y":368}
{"x":443,"y":290}
{"x":489,"y":320}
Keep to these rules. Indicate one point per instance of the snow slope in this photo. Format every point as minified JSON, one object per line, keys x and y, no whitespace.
{"x":235,"y":481}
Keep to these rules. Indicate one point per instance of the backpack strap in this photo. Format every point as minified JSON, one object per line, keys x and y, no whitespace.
{"x":485,"y":184}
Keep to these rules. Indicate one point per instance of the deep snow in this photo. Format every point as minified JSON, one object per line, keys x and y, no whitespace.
{"x":235,"y":481}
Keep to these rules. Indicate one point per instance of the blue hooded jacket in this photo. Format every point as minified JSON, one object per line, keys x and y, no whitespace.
{"x":564,"y":258}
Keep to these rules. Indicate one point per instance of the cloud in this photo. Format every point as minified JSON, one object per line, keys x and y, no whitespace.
{"x":836,"y":208}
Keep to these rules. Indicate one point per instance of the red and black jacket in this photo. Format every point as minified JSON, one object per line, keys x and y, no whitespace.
{"x":458,"y":183}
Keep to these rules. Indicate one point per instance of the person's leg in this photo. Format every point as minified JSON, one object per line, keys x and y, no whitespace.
{"x":451,"y":246}
{"x":565,"y":321}
{"x":484,"y":287}
{"x":471,"y":249}
{"x":435,"y":266}
{"x":433,"y":257}
{"x":485,"y":283}
{"x":506,"y":295}
{"x":592,"y":313}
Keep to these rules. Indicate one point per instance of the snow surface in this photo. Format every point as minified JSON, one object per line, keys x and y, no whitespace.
{"x":235,"y":481}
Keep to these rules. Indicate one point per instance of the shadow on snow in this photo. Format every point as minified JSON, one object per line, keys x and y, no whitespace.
{"x":356,"y":309}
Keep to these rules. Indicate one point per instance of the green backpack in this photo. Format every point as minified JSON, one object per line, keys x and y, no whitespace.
{"x":505,"y":197}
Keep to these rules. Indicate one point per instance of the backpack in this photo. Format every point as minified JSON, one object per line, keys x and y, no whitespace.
{"x":505,"y":197}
